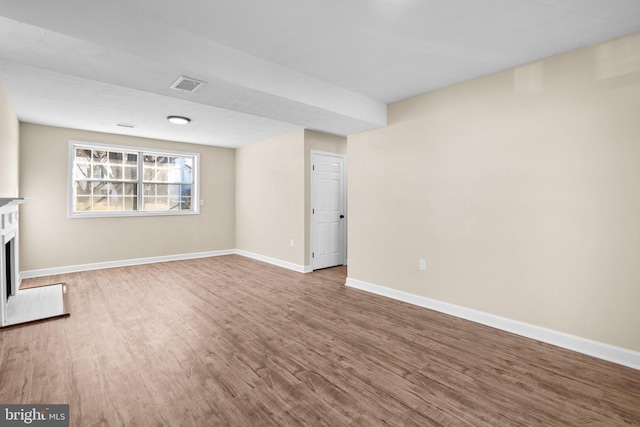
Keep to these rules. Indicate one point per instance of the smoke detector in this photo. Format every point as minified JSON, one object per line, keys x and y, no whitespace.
{"x":187,"y":84}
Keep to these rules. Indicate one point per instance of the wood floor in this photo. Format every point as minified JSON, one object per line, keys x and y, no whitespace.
{"x":230,"y":341}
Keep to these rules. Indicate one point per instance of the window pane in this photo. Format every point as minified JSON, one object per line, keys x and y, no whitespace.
{"x":131,"y":172}
{"x":162,"y":175}
{"x":187,"y":170}
{"x":162,"y":161}
{"x":130,"y":203}
{"x":83,"y":188}
{"x":83,"y":155}
{"x":131,"y":189}
{"x":83,"y":204}
{"x":117,"y":189}
{"x":150,"y":189}
{"x":115,"y":157}
{"x":100,"y":156}
{"x":131,"y":159}
{"x":99,"y":171}
{"x":186,"y":203}
{"x":162,"y":189}
{"x":149,"y":174}
{"x":82,"y":171}
{"x":162,"y":203}
{"x":99,"y":203}
{"x":149,"y":160}
{"x":149,"y":203}
{"x":115,"y":172}
{"x":103,"y":188}
{"x":115,"y":203}
{"x":176,"y":174}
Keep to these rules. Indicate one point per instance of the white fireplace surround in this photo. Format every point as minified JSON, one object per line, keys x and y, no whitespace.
{"x":8,"y":234}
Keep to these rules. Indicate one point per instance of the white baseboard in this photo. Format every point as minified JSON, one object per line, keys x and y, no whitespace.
{"x":600,"y":350}
{"x":121,"y":263}
{"x":275,"y":261}
{"x":28,"y":274}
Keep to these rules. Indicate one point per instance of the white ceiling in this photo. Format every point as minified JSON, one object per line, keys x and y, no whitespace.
{"x":271,"y":66}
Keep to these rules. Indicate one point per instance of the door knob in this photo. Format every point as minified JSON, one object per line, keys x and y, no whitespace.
{"x":341,"y":216}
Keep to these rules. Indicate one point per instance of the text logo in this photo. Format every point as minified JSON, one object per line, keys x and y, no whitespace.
{"x":34,"y":415}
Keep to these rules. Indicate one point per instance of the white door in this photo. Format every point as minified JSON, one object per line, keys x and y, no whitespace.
{"x":327,"y":210}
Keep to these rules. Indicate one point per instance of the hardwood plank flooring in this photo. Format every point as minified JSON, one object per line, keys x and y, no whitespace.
{"x":230,"y":341}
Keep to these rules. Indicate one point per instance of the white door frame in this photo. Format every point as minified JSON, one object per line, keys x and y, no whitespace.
{"x":312,"y":190}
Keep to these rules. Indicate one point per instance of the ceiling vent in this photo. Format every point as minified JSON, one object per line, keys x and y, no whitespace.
{"x":187,"y":84}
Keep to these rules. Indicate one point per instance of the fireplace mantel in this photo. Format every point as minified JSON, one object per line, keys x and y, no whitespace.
{"x":9,"y":281}
{"x":11,"y":201}
{"x":19,"y":306}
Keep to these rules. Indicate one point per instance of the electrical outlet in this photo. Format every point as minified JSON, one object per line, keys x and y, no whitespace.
{"x":201,"y":202}
{"x":291,"y":242}
{"x":422,"y":264}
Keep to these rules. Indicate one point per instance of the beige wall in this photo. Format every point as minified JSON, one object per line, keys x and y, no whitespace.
{"x":270,"y":198}
{"x":521,"y":190}
{"x":9,"y":143}
{"x":50,"y":239}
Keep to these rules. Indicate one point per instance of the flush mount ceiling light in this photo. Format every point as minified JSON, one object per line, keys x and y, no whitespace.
{"x":178,"y":120}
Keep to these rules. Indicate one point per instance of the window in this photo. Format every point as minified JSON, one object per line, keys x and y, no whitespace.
{"x":119,"y":181}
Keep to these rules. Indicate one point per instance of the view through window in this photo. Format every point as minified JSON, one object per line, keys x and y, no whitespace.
{"x":114,"y":180}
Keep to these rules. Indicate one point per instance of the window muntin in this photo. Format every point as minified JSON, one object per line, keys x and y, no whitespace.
{"x":109,"y":180}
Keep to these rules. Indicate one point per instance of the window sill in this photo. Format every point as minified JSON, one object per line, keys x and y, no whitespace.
{"x":130,"y":214}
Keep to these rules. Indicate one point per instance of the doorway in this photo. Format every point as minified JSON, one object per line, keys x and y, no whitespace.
{"x":328,"y":210}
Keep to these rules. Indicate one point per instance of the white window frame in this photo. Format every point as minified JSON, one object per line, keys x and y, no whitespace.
{"x":195,"y":191}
